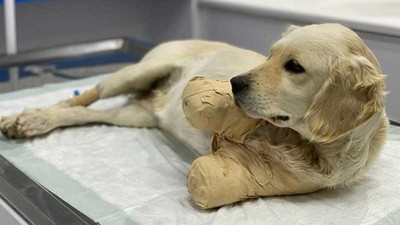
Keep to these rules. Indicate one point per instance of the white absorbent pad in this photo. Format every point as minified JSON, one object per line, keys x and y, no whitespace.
{"x":119,"y":175}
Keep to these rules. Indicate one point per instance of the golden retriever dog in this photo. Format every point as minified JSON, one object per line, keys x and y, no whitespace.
{"x":321,"y":90}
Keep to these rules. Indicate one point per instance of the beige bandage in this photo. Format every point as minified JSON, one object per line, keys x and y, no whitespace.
{"x":209,"y":106}
{"x":233,"y":172}
{"x":84,"y":99}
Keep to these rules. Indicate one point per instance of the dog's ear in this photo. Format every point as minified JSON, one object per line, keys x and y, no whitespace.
{"x":289,"y":29}
{"x":353,"y":92}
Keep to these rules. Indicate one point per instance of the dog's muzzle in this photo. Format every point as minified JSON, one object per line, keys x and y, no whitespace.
{"x":239,"y":84}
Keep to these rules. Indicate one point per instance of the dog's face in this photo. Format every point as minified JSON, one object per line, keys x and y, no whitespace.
{"x":322,"y":78}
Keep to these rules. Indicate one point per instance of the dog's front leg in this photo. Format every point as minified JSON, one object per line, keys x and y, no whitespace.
{"x":234,"y":173}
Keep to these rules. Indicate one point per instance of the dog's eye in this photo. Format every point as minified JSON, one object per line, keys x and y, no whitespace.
{"x":294,"y":67}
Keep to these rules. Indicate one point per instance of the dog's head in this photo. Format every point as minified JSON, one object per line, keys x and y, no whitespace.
{"x":322,"y":79}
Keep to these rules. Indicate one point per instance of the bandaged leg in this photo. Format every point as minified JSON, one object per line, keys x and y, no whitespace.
{"x":234,"y":173}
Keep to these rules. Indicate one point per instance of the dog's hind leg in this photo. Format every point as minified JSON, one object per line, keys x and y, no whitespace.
{"x":9,"y":125}
{"x":135,"y":78}
{"x":40,"y":121}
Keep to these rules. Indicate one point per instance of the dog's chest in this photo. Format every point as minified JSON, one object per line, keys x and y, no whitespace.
{"x":269,"y":135}
{"x":260,"y":140}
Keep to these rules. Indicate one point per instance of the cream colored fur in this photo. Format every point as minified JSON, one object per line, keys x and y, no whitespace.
{"x":337,"y":123}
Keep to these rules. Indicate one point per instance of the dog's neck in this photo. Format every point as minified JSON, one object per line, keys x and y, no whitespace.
{"x":355,"y":150}
{"x":349,"y":155}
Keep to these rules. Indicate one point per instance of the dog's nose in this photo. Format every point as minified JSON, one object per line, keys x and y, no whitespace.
{"x":239,"y":84}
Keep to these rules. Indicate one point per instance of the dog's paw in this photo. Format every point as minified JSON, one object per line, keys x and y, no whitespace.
{"x":27,"y":124}
{"x":8,"y":126}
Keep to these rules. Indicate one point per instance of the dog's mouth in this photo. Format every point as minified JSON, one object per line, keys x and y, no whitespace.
{"x":275,"y":118}
{"x":280,"y":118}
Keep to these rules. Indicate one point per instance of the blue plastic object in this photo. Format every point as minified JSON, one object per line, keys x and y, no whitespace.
{"x":18,"y":1}
{"x":76,"y":92}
